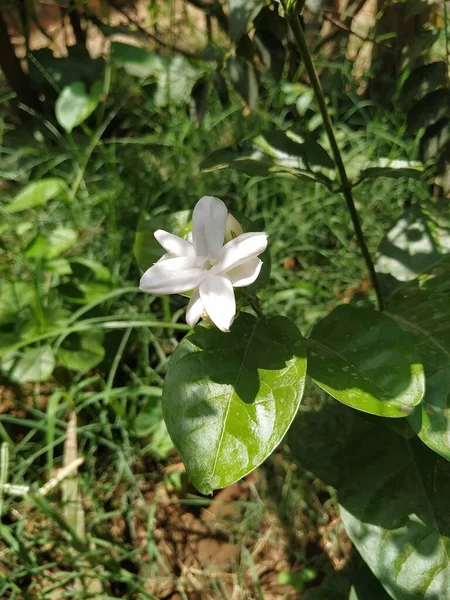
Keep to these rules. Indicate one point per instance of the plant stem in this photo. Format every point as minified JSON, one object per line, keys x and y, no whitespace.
{"x":346,"y":188}
{"x":254,"y":303}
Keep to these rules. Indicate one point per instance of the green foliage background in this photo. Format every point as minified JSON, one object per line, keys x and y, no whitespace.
{"x":96,"y":152}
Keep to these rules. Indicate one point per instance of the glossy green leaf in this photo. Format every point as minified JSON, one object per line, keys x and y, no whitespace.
{"x":146,"y":249}
{"x":422,"y":308}
{"x":229,"y":398}
{"x":364,"y":359}
{"x":416,"y":242}
{"x":33,"y":364}
{"x":242,"y":12}
{"x":81,"y":351}
{"x":36,"y":194}
{"x":393,"y":497}
{"x":75,"y":104}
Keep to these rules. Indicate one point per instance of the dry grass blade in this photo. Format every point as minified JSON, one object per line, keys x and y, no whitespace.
{"x":72,"y":503}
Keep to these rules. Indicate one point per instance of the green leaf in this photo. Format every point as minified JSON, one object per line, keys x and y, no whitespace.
{"x":146,"y":249}
{"x":241,"y":13}
{"x":244,"y":78}
{"x":48,"y":71}
{"x":176,"y":82}
{"x":14,"y":298}
{"x":309,"y":150}
{"x":52,"y":245}
{"x":81,"y":351}
{"x":33,"y":364}
{"x":75,"y":104}
{"x":429,"y":110}
{"x":227,"y":157}
{"x":271,"y":52}
{"x":364,"y":359}
{"x":393,"y":169}
{"x":411,"y":247}
{"x":149,"y":417}
{"x":356,"y":584}
{"x":229,"y":398}
{"x":393,"y":497}
{"x":8,"y":342}
{"x":436,"y":140}
{"x":221,"y":88}
{"x":136,"y":61}
{"x":36,"y":194}
{"x":199,"y":100}
{"x":422,"y":81}
{"x":422,"y":308}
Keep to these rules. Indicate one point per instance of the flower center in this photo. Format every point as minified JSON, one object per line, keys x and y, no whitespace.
{"x":207,"y":266}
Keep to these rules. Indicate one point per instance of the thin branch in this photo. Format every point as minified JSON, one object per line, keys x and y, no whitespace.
{"x":346,"y":187}
{"x":350,"y":31}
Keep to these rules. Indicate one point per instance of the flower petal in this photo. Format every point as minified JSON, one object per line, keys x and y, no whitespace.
{"x":194,"y":309}
{"x":217,"y":295}
{"x":173,"y":244}
{"x":246,"y":273}
{"x":240,"y":250}
{"x":172,"y":276}
{"x":208,"y":226}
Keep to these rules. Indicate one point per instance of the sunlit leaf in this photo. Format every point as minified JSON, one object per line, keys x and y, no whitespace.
{"x":75,"y":104}
{"x":36,"y":194}
{"x":52,"y":245}
{"x":364,"y":359}
{"x":241,"y":13}
{"x":422,"y":308}
{"x":136,"y":61}
{"x":33,"y":364}
{"x":412,"y":246}
{"x":229,"y":398}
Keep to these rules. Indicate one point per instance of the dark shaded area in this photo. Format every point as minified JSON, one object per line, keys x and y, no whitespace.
{"x":396,"y":485}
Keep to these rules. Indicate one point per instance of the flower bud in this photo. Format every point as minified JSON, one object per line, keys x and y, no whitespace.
{"x":232,"y":229}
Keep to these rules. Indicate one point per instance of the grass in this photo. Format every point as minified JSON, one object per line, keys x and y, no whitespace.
{"x":140,"y":530}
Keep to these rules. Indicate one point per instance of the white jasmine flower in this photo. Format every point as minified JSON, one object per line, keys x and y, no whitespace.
{"x":206,"y":265}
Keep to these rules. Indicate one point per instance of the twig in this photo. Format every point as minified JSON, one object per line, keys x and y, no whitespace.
{"x":350,"y":31}
{"x":60,"y":476}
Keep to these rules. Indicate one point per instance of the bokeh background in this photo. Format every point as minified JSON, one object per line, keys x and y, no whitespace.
{"x":113,"y":116}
